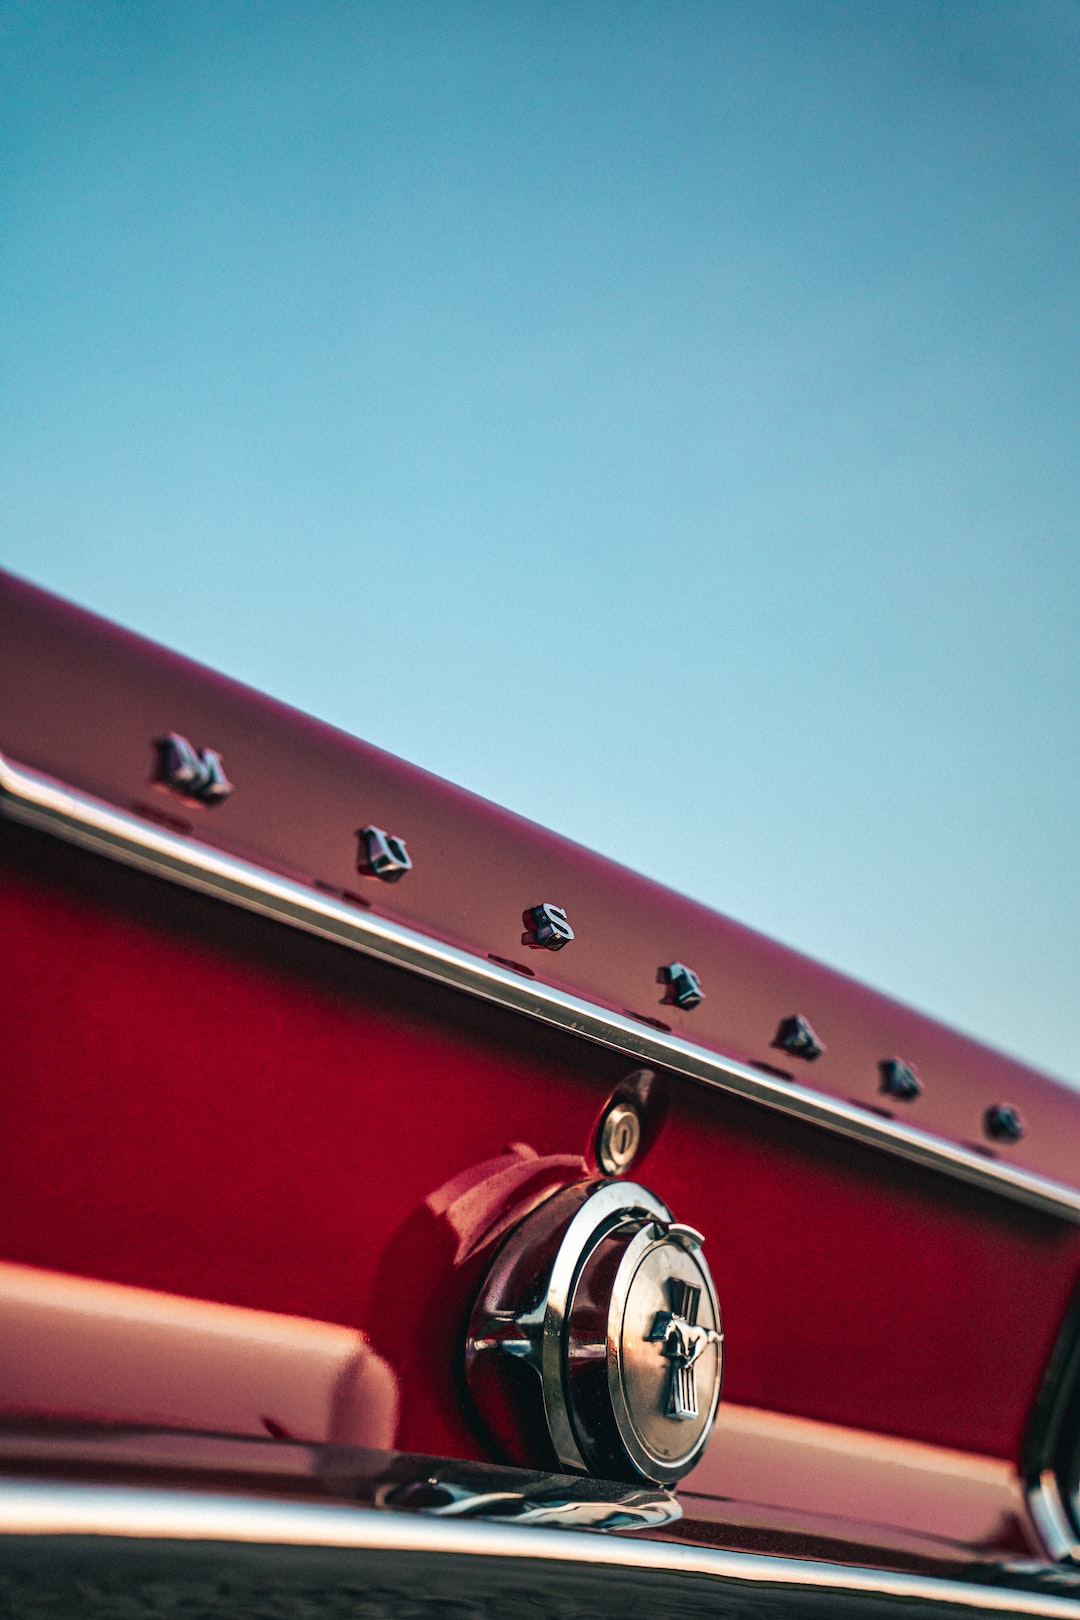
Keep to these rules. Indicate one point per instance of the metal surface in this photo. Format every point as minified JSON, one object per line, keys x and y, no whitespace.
{"x":370,"y":1476}
{"x":1051,"y":1519}
{"x":197,"y":774}
{"x":1051,"y":1463}
{"x":899,"y":1080}
{"x":37,"y":1509}
{"x":613,"y":1305}
{"x":805,"y":1485}
{"x":1002,"y":1123}
{"x":796,"y":1037}
{"x":684,"y":986}
{"x":682,"y":1340}
{"x":618,"y":1139}
{"x":664,"y":1408}
{"x":383,"y":855}
{"x":547,"y":927}
{"x":605,"y":1209}
{"x":567,"y":1508}
{"x":40,"y":802}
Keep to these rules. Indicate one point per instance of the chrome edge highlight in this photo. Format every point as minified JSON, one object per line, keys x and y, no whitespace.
{"x":48,"y":1508}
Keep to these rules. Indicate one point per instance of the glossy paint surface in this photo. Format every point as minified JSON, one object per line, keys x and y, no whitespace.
{"x":97,"y":1352}
{"x":205,"y":1102}
{"x":215,"y":1106}
{"x":84,"y":701}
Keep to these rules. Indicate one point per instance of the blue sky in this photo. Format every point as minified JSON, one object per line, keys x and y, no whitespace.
{"x":661,"y":419}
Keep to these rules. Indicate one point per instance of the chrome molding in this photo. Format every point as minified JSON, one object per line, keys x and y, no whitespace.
{"x":45,"y":1508}
{"x":37,"y":801}
{"x":599,"y":1213}
{"x":1051,"y":1452}
{"x":1051,"y":1519}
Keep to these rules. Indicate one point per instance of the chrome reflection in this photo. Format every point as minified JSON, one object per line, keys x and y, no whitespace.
{"x":609,"y":1305}
{"x":113,"y":1518}
{"x":196,"y":773}
{"x":574,"y":1505}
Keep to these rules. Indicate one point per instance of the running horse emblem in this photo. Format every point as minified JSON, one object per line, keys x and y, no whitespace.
{"x":682,"y":1341}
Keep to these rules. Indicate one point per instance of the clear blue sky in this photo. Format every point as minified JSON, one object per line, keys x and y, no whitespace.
{"x":660,"y":418}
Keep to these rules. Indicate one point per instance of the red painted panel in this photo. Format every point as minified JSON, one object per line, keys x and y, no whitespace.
{"x":83,"y":701}
{"x":207,"y":1103}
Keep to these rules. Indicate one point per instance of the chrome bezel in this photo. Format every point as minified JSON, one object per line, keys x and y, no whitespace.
{"x":1051,"y":1463}
{"x":537,"y":1306}
{"x":615,"y":1157}
{"x":603,"y":1212}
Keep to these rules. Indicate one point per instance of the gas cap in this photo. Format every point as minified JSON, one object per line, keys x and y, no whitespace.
{"x":595,"y":1342}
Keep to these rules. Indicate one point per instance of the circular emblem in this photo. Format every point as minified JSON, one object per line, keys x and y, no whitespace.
{"x":596,"y":1336}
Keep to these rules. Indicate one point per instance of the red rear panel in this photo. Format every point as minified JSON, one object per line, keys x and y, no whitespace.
{"x":212,"y":1104}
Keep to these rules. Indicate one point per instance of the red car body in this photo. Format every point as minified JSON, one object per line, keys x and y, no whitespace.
{"x":268,"y":1118}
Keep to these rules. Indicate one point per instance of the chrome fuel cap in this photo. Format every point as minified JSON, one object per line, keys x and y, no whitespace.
{"x":596,"y":1337}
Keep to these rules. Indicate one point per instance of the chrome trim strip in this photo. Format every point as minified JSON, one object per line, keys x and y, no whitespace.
{"x":37,"y":801}
{"x":1050,"y":1446}
{"x":1050,"y":1518}
{"x":46,"y":1508}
